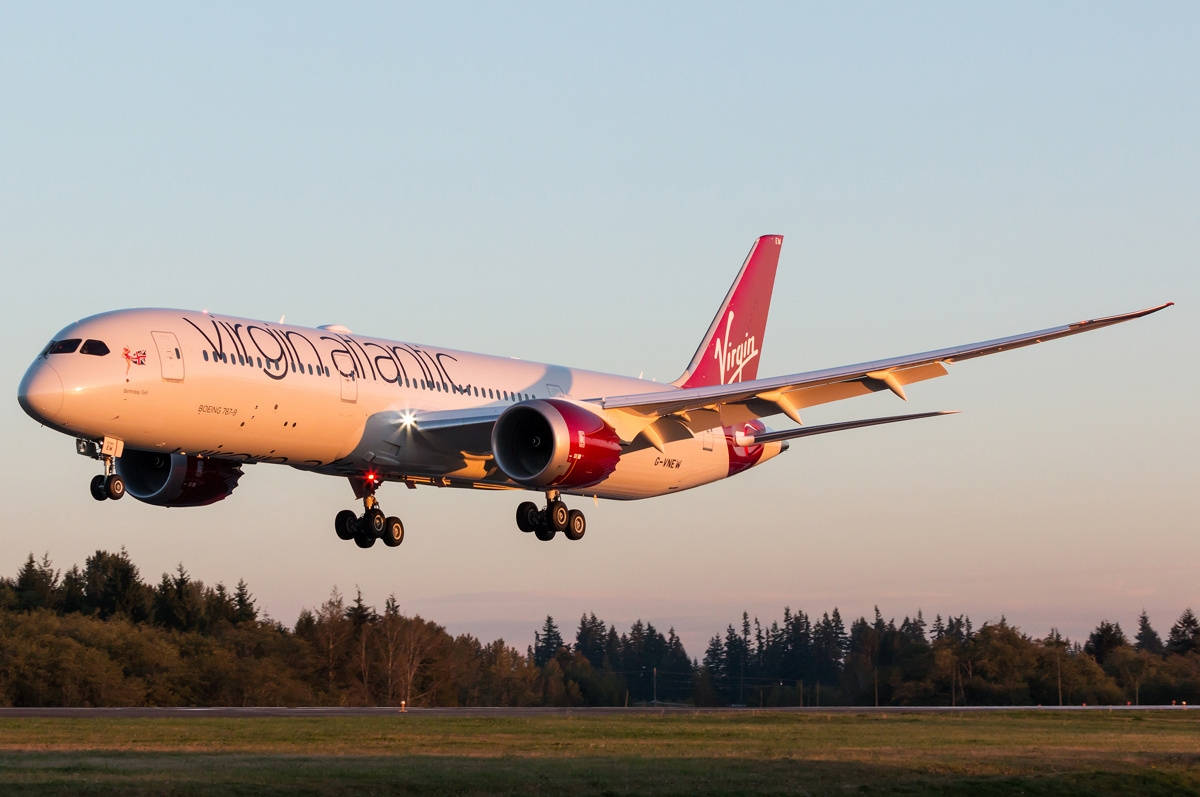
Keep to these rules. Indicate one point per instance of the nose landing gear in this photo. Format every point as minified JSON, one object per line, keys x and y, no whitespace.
{"x":546,"y":523}
{"x":108,"y":484}
{"x":372,"y":525}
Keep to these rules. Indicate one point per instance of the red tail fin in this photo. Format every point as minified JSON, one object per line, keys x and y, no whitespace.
{"x":729,"y":351}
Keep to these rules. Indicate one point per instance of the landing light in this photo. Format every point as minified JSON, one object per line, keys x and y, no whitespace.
{"x":408,"y":419}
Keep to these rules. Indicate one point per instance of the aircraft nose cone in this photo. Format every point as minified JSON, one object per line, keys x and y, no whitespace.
{"x":41,"y":392}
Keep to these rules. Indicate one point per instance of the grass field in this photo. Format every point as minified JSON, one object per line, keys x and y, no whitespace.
{"x":762,"y":753}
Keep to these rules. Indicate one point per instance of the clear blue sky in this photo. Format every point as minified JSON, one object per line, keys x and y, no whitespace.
{"x":579,"y":186}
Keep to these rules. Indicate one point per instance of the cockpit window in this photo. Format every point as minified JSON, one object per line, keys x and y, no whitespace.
{"x":95,"y":347}
{"x":63,"y":346}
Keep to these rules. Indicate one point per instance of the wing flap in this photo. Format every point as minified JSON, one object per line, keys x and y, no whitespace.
{"x":788,"y":394}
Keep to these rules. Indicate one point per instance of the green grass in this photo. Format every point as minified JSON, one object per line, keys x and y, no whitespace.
{"x":767,"y":753}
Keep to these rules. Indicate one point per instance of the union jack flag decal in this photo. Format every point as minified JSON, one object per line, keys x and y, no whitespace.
{"x":136,"y":357}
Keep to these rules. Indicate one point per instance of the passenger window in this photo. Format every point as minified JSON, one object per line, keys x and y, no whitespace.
{"x":94,"y":347}
{"x":205,"y":352}
{"x":310,"y":370}
{"x":63,"y":346}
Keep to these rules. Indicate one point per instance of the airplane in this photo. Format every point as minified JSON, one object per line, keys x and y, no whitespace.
{"x":174,"y":403}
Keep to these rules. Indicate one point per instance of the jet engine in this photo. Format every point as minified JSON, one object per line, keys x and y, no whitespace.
{"x":175,"y":479}
{"x":554,"y":443}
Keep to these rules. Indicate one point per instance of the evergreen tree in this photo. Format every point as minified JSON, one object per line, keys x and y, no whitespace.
{"x":714,"y":671}
{"x":589,"y":639}
{"x":938,"y":630}
{"x":359,"y":613}
{"x":1104,"y":640}
{"x":676,"y":673}
{"x":37,"y":584}
{"x":612,"y":650}
{"x":546,"y":643}
{"x":244,"y":610}
{"x":1147,"y":639}
{"x":165,"y":607}
{"x":72,"y":591}
{"x":1185,"y":634}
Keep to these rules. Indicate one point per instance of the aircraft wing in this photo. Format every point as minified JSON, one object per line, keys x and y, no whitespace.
{"x":741,"y":402}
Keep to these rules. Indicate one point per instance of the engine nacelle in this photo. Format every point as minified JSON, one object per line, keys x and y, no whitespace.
{"x":554,"y":443}
{"x":175,"y":479}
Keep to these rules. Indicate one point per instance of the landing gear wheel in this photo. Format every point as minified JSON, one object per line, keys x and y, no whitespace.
{"x":99,"y":491}
{"x":345,"y":524}
{"x":544,"y":534}
{"x":374,"y":522}
{"x":114,"y":485}
{"x":527,"y":516}
{"x":393,"y":532}
{"x":363,"y":540}
{"x":576,"y":525}
{"x":557,"y":515}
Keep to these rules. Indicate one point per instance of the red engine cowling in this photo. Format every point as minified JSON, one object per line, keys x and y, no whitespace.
{"x":177,"y":480}
{"x":554,"y":443}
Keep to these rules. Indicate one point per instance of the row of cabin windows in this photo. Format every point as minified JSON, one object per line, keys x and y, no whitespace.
{"x":222,"y":357}
{"x":96,"y":348}
{"x":323,"y":370}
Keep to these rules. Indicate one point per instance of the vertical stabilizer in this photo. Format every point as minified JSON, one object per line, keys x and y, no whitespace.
{"x":730,"y":349}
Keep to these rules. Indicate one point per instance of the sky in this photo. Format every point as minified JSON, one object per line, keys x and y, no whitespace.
{"x":579,"y":186}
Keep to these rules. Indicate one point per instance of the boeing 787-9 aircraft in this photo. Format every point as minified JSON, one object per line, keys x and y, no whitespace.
{"x":174,"y":403}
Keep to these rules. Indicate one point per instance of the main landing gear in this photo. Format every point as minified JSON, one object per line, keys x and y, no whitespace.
{"x":545,"y":523}
{"x":373,"y":525}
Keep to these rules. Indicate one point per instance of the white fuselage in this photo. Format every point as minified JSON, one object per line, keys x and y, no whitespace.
{"x":320,"y":399}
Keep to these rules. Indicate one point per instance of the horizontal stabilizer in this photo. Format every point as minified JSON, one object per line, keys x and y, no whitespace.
{"x":805,"y":431}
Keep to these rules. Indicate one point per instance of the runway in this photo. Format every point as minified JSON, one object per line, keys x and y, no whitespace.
{"x":501,"y":711}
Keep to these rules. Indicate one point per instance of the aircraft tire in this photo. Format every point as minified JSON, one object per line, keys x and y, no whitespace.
{"x":374,"y":521}
{"x":114,"y":485}
{"x":345,"y":523}
{"x":527,"y":516}
{"x":557,"y":515}
{"x":576,"y":525}
{"x":544,"y":533}
{"x":99,"y":491}
{"x":393,"y":532}
{"x":364,"y":540}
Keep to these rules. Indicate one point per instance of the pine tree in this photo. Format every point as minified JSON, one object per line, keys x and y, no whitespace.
{"x":37,"y":584}
{"x":1185,"y":634}
{"x":546,"y":643}
{"x":243,"y":604}
{"x":589,"y":639}
{"x":1147,"y":638}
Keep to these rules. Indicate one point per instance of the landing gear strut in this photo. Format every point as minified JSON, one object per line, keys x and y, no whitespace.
{"x":545,"y":523}
{"x":104,"y":485}
{"x":372,"y":525}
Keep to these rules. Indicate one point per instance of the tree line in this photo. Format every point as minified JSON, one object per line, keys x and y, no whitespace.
{"x":101,"y":635}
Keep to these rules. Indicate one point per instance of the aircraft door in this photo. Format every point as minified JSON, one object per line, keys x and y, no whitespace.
{"x":349,"y":387}
{"x":170,"y":356}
